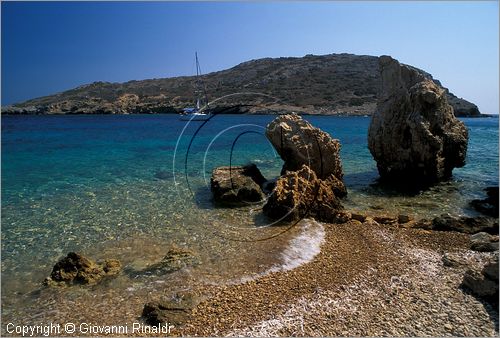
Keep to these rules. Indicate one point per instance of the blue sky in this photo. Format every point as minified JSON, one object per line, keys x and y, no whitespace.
{"x":51,"y":47}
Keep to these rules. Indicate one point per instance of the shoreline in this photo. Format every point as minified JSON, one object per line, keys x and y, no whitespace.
{"x":367,"y":115}
{"x":368,"y":279}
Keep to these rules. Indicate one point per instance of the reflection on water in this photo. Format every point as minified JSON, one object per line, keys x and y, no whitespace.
{"x":109,"y":187}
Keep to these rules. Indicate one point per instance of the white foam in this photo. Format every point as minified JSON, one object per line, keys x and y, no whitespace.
{"x":304,"y":247}
{"x":301,"y":249}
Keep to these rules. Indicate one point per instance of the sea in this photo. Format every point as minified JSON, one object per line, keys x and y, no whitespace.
{"x":132,"y":186}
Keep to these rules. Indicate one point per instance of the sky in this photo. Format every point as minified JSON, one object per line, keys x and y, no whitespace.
{"x":49,"y":47}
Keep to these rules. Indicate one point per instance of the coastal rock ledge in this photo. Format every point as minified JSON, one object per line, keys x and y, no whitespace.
{"x":414,"y":134}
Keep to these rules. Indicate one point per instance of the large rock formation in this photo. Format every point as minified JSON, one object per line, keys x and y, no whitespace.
{"x":414,"y":135}
{"x":311,"y":183}
{"x":78,"y":269}
{"x":299,"y":143}
{"x":237,"y":184}
{"x":300,"y":193}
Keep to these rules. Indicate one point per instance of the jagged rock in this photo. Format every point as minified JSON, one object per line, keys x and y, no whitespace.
{"x":484,"y":284}
{"x":414,"y":135}
{"x":489,"y":205}
{"x":300,"y":193}
{"x":78,"y":269}
{"x":175,"y":259}
{"x":469,"y":225}
{"x":299,"y":143}
{"x":483,"y":242}
{"x":174,"y":311}
{"x":237,"y":184}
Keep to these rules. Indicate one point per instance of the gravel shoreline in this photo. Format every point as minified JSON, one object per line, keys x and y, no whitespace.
{"x":368,"y":280}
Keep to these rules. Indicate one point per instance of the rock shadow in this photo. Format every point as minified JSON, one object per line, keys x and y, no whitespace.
{"x":372,"y":184}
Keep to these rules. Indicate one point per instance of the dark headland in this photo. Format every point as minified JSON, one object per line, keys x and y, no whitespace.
{"x":335,"y":84}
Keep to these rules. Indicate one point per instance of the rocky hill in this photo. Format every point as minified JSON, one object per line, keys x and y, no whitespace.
{"x":328,"y":84}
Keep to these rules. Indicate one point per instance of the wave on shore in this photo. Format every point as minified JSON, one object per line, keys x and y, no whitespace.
{"x":301,"y":249}
{"x":304,"y":247}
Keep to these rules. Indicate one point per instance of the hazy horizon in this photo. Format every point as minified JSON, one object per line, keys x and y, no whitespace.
{"x":53,"y":47}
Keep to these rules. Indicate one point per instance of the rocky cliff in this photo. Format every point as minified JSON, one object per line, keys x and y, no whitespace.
{"x":328,"y":84}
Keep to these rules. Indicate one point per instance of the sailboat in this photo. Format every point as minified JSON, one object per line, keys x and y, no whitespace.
{"x":197,"y":113}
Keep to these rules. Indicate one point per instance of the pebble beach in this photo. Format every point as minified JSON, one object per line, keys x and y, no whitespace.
{"x":368,"y":280}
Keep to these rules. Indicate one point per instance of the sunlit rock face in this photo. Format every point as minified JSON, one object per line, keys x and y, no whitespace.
{"x":414,"y":135}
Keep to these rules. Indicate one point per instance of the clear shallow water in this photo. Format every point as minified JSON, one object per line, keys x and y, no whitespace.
{"x":127,"y":187}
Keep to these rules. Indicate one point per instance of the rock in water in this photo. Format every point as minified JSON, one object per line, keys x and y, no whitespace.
{"x":78,"y":269}
{"x":174,"y":311}
{"x":488,"y":206}
{"x":300,"y":193}
{"x":237,"y":184}
{"x":299,"y":143}
{"x":414,"y":135}
{"x":175,"y":259}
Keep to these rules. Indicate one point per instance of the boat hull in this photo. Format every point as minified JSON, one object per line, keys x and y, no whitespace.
{"x":194,"y":117}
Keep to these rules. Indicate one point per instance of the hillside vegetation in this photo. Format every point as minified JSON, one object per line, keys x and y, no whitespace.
{"x":328,"y":84}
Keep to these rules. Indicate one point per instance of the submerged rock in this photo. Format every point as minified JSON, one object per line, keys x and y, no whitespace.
{"x":175,"y":259}
{"x":414,"y":135}
{"x":175,"y":311}
{"x":163,"y":175}
{"x":300,"y":193}
{"x":78,"y":269}
{"x":299,"y":143}
{"x":237,"y":184}
{"x":489,"y":205}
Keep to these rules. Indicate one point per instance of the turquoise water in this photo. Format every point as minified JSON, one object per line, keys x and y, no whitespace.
{"x":126,"y":187}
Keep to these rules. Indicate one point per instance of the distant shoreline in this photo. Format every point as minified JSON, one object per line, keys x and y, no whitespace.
{"x":331,"y":84}
{"x":249,"y":114}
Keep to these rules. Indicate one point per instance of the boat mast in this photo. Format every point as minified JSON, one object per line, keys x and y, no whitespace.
{"x":200,"y":85}
{"x":197,"y":65}
{"x":198,"y":91}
